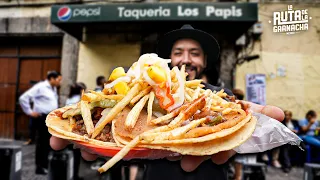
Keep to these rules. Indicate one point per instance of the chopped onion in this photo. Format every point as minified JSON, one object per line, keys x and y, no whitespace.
{"x":120,"y":79}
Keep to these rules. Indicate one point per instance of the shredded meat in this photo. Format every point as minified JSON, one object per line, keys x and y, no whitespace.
{"x":79,"y":128}
{"x":106,"y":134}
{"x":96,"y":113}
{"x":78,"y":117}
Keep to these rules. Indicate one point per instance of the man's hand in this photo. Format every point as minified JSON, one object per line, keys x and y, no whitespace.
{"x":34,"y":114}
{"x":58,"y":144}
{"x":190,"y":163}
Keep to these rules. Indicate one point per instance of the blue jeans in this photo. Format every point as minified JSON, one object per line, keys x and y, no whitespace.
{"x":312,"y":140}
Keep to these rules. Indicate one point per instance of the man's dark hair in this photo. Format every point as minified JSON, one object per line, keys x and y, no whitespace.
{"x":99,"y":79}
{"x":311,"y":113}
{"x":53,"y":74}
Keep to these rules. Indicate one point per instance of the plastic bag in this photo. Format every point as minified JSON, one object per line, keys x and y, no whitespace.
{"x":269,"y":133}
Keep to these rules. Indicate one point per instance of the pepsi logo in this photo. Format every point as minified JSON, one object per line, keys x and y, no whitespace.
{"x":64,"y":13}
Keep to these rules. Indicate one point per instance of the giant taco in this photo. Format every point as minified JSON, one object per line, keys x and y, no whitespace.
{"x":153,"y":109}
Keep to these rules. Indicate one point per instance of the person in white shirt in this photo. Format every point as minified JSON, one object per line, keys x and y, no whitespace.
{"x":45,"y":99}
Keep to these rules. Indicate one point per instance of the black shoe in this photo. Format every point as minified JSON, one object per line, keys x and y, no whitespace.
{"x":286,"y":170}
{"x":40,"y":170}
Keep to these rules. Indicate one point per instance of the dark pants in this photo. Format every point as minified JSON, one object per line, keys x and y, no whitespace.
{"x":42,"y":144}
{"x":32,"y":130}
{"x":285,"y":149}
{"x":169,"y":170}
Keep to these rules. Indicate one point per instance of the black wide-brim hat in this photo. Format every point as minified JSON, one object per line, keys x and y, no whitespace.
{"x":207,"y":42}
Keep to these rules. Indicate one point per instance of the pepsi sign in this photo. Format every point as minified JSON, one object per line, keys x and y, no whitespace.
{"x":65,"y":13}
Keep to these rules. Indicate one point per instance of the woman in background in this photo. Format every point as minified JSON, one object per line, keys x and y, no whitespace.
{"x":75,"y":93}
{"x":74,"y":97}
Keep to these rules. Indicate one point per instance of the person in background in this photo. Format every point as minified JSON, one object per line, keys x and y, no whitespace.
{"x":285,"y":149}
{"x":309,"y":126}
{"x":45,"y":99}
{"x":100,"y":83}
{"x":74,"y":97}
{"x":75,"y":93}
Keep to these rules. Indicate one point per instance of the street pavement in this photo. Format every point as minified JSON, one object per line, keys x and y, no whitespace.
{"x":28,"y":170}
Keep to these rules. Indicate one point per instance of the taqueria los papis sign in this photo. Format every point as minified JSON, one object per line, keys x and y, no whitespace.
{"x":155,"y":11}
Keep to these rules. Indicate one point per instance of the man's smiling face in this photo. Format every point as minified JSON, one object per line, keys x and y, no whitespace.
{"x":190,"y":53}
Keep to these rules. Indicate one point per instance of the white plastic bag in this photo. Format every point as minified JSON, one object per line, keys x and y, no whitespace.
{"x":269,"y":133}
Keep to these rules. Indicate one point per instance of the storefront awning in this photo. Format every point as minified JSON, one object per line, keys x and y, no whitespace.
{"x":233,"y":18}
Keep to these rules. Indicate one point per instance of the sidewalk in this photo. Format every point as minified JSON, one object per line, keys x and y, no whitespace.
{"x":28,"y":169}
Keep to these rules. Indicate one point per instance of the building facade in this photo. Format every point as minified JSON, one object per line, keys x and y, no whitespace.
{"x":37,"y":39}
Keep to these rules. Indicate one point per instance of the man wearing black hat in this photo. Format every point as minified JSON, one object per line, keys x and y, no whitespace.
{"x":197,"y":50}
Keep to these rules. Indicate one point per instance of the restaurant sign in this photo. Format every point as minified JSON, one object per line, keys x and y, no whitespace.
{"x":155,"y":11}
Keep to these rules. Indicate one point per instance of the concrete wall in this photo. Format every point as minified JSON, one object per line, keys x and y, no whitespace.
{"x":299,"y":90}
{"x":100,"y":53}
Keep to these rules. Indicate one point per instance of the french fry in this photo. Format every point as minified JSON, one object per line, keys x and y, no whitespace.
{"x":188,"y":98}
{"x":226,"y":111}
{"x":190,"y":92}
{"x":183,"y":72}
{"x":72,"y":122}
{"x":196,"y":93}
{"x":120,"y":155}
{"x":150,"y":104}
{"x":86,"y":115}
{"x":90,"y":97}
{"x":134,"y":113}
{"x":140,"y":95}
{"x":221,"y":93}
{"x":164,"y":118}
{"x":193,"y":83}
{"x":217,"y":108}
{"x":173,"y":76}
{"x":116,"y":109}
{"x":110,"y":96}
{"x":176,"y":133}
